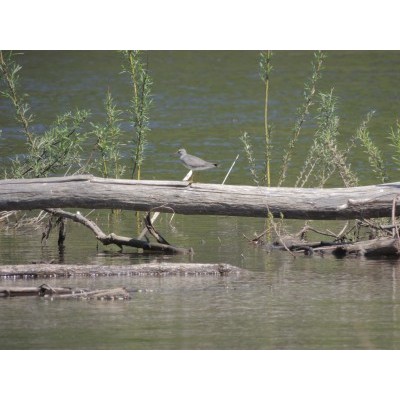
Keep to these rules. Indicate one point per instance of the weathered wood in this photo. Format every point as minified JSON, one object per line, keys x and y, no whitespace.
{"x":65,"y":292}
{"x":120,"y":241}
{"x":182,"y":197}
{"x":369,"y":248}
{"x":379,"y":247}
{"x":156,"y":269}
{"x":19,"y":291}
{"x":102,"y":294}
{"x":42,"y":290}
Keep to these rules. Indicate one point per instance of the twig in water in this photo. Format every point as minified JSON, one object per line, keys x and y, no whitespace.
{"x":341,"y":233}
{"x":395,"y":229}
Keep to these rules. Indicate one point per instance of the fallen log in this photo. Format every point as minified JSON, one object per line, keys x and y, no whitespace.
{"x":379,"y":247}
{"x":157,"y":269}
{"x":87,"y":191}
{"x":19,"y":291}
{"x":65,"y":292}
{"x":102,"y":294}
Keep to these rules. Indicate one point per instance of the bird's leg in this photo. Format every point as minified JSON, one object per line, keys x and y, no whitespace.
{"x":188,"y":176}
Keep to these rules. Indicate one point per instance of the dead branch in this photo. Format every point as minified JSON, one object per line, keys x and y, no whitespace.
{"x":307,"y":228}
{"x":386,"y":228}
{"x":116,"y":239}
{"x":152,"y":231}
{"x":395,"y":229}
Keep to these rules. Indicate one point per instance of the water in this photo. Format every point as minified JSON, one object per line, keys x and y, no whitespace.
{"x":203,"y":101}
{"x":301,"y":304}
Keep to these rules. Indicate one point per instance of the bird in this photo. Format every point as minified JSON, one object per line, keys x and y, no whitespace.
{"x":194,"y":163}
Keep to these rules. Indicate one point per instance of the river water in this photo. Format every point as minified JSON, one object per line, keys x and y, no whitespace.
{"x":204,"y":101}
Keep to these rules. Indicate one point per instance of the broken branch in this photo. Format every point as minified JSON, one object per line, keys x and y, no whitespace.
{"x":116,"y":239}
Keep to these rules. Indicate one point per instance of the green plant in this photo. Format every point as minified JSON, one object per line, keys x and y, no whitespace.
{"x":108,"y":141}
{"x":375,"y":157}
{"x":58,"y":149}
{"x":248,"y":149}
{"x":265,"y":70}
{"x":324,"y":156}
{"x":9,"y":72}
{"x":394,"y":137}
{"x":140,"y":105}
{"x":302,"y":112}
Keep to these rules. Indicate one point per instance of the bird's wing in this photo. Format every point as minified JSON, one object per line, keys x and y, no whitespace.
{"x":195,"y":161}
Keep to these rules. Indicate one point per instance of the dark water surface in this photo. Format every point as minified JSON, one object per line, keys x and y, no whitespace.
{"x":204,"y":101}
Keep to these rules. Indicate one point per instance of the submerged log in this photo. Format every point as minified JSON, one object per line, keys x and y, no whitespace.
{"x":65,"y":292}
{"x":156,"y":269}
{"x":380,"y":247}
{"x":369,"y":248}
{"x":208,"y":199}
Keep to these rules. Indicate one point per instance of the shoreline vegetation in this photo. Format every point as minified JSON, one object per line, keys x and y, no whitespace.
{"x":59,"y":150}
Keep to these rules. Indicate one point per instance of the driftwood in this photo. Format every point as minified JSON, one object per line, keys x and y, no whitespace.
{"x":65,"y":292}
{"x":112,"y":238}
{"x":156,"y":269}
{"x":195,"y":198}
{"x":369,"y":248}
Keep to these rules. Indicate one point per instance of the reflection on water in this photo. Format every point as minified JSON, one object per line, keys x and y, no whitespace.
{"x":203,"y":101}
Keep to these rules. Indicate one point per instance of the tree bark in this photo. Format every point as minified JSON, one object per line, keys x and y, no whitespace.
{"x":36,"y":271}
{"x":208,"y":199}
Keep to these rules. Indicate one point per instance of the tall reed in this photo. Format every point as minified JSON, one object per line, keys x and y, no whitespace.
{"x":141,"y":101}
{"x":374,"y":154}
{"x":302,"y":112}
{"x":265,"y":70}
{"x":10,"y":76}
{"x":248,"y":149}
{"x":394,"y":136}
{"x":108,"y":141}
